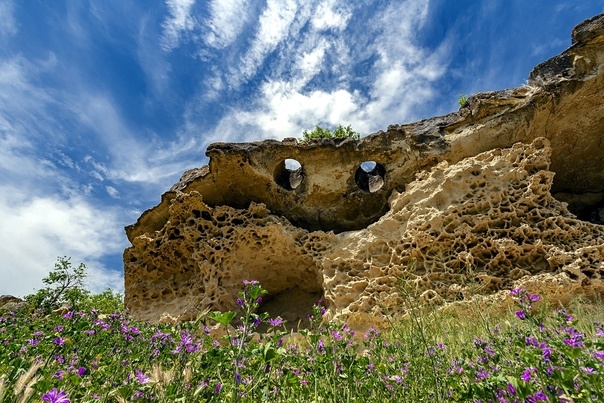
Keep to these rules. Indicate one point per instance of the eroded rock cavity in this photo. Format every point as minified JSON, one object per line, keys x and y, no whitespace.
{"x":509,"y":190}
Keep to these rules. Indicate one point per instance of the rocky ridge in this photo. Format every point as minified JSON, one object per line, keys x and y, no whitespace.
{"x":505,"y":191}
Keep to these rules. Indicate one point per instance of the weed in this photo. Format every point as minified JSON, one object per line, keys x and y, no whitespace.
{"x":463,"y":100}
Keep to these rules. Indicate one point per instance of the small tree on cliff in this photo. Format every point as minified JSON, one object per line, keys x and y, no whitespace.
{"x":322,"y":133}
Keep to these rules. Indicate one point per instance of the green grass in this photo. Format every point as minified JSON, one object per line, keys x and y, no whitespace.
{"x":534,"y":352}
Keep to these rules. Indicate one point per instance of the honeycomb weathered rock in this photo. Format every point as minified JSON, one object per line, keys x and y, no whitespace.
{"x":459,"y":206}
{"x":475,"y":227}
{"x":202,"y":255}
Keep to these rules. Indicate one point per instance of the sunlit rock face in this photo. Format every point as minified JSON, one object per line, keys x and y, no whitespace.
{"x":508,"y":190}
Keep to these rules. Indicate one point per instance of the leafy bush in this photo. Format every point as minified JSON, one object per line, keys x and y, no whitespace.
{"x":106,"y":302}
{"x":322,"y":133}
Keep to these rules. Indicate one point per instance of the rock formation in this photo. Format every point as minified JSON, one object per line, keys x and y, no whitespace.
{"x":507,"y":190}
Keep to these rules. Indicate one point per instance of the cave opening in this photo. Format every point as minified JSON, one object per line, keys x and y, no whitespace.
{"x":294,"y":305}
{"x":369,"y":176}
{"x":289,"y":174}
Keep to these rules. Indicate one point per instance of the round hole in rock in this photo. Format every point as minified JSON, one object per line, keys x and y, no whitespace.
{"x":369,"y":176}
{"x":289,"y":174}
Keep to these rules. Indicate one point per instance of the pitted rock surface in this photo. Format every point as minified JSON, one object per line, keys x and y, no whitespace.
{"x":508,"y":189}
{"x":476,"y":227}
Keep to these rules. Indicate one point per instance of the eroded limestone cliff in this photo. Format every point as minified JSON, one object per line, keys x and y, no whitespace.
{"x":508,"y":190}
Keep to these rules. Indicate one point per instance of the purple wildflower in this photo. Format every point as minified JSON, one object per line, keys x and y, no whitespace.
{"x":511,"y":389}
{"x":371,"y":333}
{"x":533,"y":297}
{"x":547,"y":352}
{"x":275,"y":322}
{"x":526,"y":375}
{"x":251,"y":282}
{"x":537,"y":397}
{"x":574,"y":341}
{"x":598,"y":354}
{"x":218,"y":387}
{"x":141,"y":377}
{"x":55,"y":396}
{"x":321,"y":346}
{"x":81,"y":371}
{"x":59,"y":341}
{"x":589,"y":370}
{"x":521,"y":315}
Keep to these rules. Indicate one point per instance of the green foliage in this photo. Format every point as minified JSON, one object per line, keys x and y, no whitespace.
{"x":463,"y":100}
{"x":531,"y":354}
{"x":65,"y":284}
{"x":105,"y":302}
{"x":322,"y":133}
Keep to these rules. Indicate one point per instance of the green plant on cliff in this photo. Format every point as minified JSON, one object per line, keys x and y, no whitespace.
{"x":323,"y":133}
{"x":463,"y":100}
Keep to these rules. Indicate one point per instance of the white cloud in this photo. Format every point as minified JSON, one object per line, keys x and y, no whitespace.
{"x":400,"y":77}
{"x":8,"y":25}
{"x":35,"y":230}
{"x":112,"y":192}
{"x":152,"y":62}
{"x":16,"y":157}
{"x":226,"y":21}
{"x":273,"y":26}
{"x":99,"y":279}
{"x":544,"y":49}
{"x":326,"y":17}
{"x":180,"y":20}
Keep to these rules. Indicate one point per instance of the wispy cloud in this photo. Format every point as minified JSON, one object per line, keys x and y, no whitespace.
{"x":8,"y":25}
{"x":273,"y":27}
{"x":179,"y":21}
{"x":226,"y":20}
{"x":330,"y":15}
{"x":400,"y":74}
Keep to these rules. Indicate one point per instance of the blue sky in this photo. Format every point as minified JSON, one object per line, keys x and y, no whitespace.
{"x":104,"y":104}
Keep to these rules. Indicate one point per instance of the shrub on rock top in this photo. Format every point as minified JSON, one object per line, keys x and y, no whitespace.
{"x":322,"y":133}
